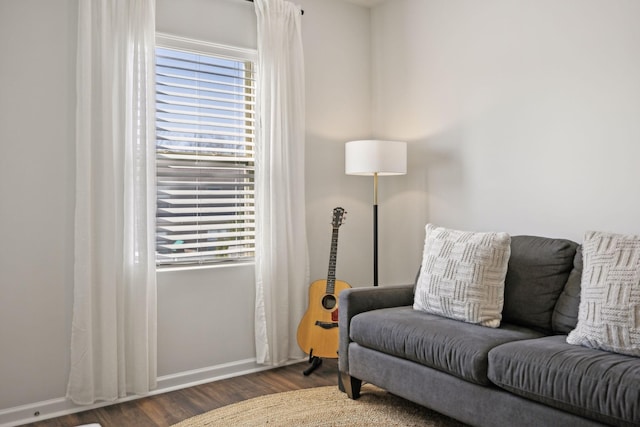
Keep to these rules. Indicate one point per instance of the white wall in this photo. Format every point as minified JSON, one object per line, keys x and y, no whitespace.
{"x":37,"y":162}
{"x":338,"y":57}
{"x":521,"y":116}
{"x":205,"y":316}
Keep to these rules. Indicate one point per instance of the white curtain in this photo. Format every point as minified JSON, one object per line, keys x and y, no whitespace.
{"x":113,"y":337}
{"x":281,"y":244}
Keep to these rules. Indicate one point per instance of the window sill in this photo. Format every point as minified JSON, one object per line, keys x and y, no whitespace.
{"x":163,"y":269}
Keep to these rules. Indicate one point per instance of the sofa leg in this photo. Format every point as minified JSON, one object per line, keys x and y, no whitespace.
{"x":351,"y":385}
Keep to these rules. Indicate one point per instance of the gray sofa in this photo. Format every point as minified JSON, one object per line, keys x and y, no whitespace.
{"x":521,"y":374}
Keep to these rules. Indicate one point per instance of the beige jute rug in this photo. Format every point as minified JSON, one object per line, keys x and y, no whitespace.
{"x":322,"y":406}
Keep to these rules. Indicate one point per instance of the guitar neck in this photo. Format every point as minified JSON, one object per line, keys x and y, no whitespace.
{"x":333,"y":254}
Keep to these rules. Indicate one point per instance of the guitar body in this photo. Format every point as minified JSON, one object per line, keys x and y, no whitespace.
{"x":318,"y":329}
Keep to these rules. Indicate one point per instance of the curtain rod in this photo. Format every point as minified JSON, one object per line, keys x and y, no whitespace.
{"x":301,"y":11}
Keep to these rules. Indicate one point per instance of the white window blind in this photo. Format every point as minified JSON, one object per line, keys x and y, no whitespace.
{"x":205,"y":158}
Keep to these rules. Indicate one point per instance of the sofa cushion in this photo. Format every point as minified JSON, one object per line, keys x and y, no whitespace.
{"x":590,"y":383}
{"x":451,"y":346}
{"x":609,"y":315}
{"x":538,"y":270}
{"x":462,"y":275}
{"x":565,"y":314}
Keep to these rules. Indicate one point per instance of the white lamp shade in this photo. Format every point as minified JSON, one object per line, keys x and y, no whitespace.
{"x":368,"y":157}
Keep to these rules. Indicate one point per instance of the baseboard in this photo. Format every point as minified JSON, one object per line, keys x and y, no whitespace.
{"x":43,"y":410}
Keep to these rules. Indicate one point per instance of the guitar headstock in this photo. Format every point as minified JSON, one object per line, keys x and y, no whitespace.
{"x":339,"y":216}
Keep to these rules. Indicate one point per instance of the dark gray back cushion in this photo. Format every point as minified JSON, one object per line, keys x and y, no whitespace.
{"x":565,"y":315}
{"x":538,"y":270}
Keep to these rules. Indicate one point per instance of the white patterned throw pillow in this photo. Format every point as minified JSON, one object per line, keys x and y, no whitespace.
{"x":609,"y":314}
{"x":462,"y":275}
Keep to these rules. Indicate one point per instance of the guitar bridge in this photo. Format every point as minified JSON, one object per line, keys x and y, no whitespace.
{"x":326,"y":325}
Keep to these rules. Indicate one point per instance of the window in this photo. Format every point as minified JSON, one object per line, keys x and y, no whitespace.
{"x":205,"y":154}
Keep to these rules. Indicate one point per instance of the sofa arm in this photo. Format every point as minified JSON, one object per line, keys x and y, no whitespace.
{"x":358,"y":300}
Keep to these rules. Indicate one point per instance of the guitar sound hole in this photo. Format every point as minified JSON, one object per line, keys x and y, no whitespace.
{"x":329,"y":302}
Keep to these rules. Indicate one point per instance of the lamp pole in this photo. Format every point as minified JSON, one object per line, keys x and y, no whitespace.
{"x":375,"y":229}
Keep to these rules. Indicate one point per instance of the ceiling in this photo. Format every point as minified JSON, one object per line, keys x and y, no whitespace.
{"x":367,"y":3}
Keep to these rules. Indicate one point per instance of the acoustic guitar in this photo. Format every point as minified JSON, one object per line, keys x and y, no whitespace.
{"x":318,"y":329}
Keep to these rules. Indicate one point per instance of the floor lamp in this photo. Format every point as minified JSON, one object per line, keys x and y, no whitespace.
{"x":375,"y":158}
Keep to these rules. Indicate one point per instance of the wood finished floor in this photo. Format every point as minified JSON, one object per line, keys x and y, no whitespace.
{"x":169,"y":408}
